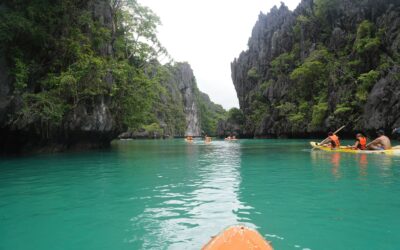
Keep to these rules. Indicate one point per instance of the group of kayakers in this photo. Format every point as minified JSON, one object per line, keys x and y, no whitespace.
{"x":207,"y":139}
{"x":382,"y":142}
{"x":231,"y":138}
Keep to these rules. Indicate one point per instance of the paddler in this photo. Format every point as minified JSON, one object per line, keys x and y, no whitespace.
{"x":332,"y":140}
{"x":361,"y":142}
{"x":228,"y":138}
{"x":380,"y":143}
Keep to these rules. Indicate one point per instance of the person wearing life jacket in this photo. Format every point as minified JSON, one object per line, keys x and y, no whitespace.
{"x":333,"y":140}
{"x":361,"y":142}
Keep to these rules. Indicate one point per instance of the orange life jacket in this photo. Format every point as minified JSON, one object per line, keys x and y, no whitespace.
{"x":362,"y":143}
{"x":335,"y":143}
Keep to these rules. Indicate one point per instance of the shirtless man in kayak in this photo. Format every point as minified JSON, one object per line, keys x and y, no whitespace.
{"x":380,"y":143}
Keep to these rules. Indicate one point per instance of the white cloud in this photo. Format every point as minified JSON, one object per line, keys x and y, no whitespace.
{"x":209,"y":34}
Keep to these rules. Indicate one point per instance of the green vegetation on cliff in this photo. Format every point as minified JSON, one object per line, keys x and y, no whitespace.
{"x":64,"y":54}
{"x":210,"y":114}
{"x":329,"y":58}
{"x":88,"y":67}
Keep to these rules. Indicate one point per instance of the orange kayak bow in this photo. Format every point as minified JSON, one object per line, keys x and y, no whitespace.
{"x":238,"y":237}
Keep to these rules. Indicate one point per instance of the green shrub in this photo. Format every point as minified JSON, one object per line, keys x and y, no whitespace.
{"x":235,"y":115}
{"x":287,"y":108}
{"x":365,"y":82}
{"x":21,"y":74}
{"x":296,"y":118}
{"x":366,"y":41}
{"x":312,"y":74}
{"x":154,"y":128}
{"x":253,"y":74}
{"x":265,"y":85}
{"x":304,"y":107}
{"x":319,"y":112}
{"x":282,"y":64}
{"x":342,"y":109}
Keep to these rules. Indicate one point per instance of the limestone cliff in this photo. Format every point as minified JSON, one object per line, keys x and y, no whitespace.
{"x":180,"y":108}
{"x":87,"y":124}
{"x":325,"y":64}
{"x":186,"y":83}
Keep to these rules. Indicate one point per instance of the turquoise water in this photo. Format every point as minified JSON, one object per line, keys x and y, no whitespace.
{"x":173,"y":195}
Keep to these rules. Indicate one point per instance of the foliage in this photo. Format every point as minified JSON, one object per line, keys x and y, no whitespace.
{"x":366,"y":40}
{"x":140,"y":26}
{"x":312,"y":74}
{"x":342,"y":109}
{"x":366,"y":81}
{"x":154,"y":129}
{"x":45,"y":107}
{"x":296,"y":118}
{"x":21,"y":73}
{"x":286,"y":108}
{"x":328,"y":66}
{"x":210,"y":114}
{"x":235,"y":115}
{"x":326,"y":11}
{"x":319,"y":112}
{"x":264,"y":86}
{"x":282,"y":64}
{"x":253,"y":74}
{"x":65,"y":55}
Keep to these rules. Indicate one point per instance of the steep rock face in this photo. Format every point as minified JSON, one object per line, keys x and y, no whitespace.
{"x":180,"y":108}
{"x":88,"y":125}
{"x":383,"y":106}
{"x":187,"y":85}
{"x":210,"y":114}
{"x":184,"y":109}
{"x":270,"y":37}
{"x":232,"y":125}
{"x":93,"y":122}
{"x":228,"y":128}
{"x":5,"y":88}
{"x":351,"y":46}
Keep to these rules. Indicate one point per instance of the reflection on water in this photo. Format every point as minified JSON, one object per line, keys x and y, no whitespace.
{"x":185,"y":219}
{"x":363,"y":164}
{"x":361,"y":161}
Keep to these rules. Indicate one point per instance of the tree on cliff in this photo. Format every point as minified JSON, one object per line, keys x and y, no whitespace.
{"x":336,"y":61}
{"x":68,"y":56}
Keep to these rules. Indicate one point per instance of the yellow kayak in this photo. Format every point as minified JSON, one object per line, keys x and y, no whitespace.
{"x":238,"y":238}
{"x":342,"y":149}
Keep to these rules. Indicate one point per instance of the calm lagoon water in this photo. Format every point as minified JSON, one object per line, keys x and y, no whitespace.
{"x":169,"y":194}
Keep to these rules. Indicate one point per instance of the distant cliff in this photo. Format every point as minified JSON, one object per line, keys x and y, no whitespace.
{"x":180,"y":108}
{"x":327,"y":63}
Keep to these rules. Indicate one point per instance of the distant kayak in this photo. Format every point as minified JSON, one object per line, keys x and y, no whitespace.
{"x":238,"y":238}
{"x":393,"y":151}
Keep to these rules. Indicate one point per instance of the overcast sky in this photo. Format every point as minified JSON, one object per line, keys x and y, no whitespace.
{"x":209,"y":34}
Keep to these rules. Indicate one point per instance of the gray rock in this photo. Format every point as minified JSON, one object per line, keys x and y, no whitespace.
{"x":273,"y":34}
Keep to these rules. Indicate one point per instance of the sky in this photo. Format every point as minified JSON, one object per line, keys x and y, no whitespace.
{"x":209,"y":34}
